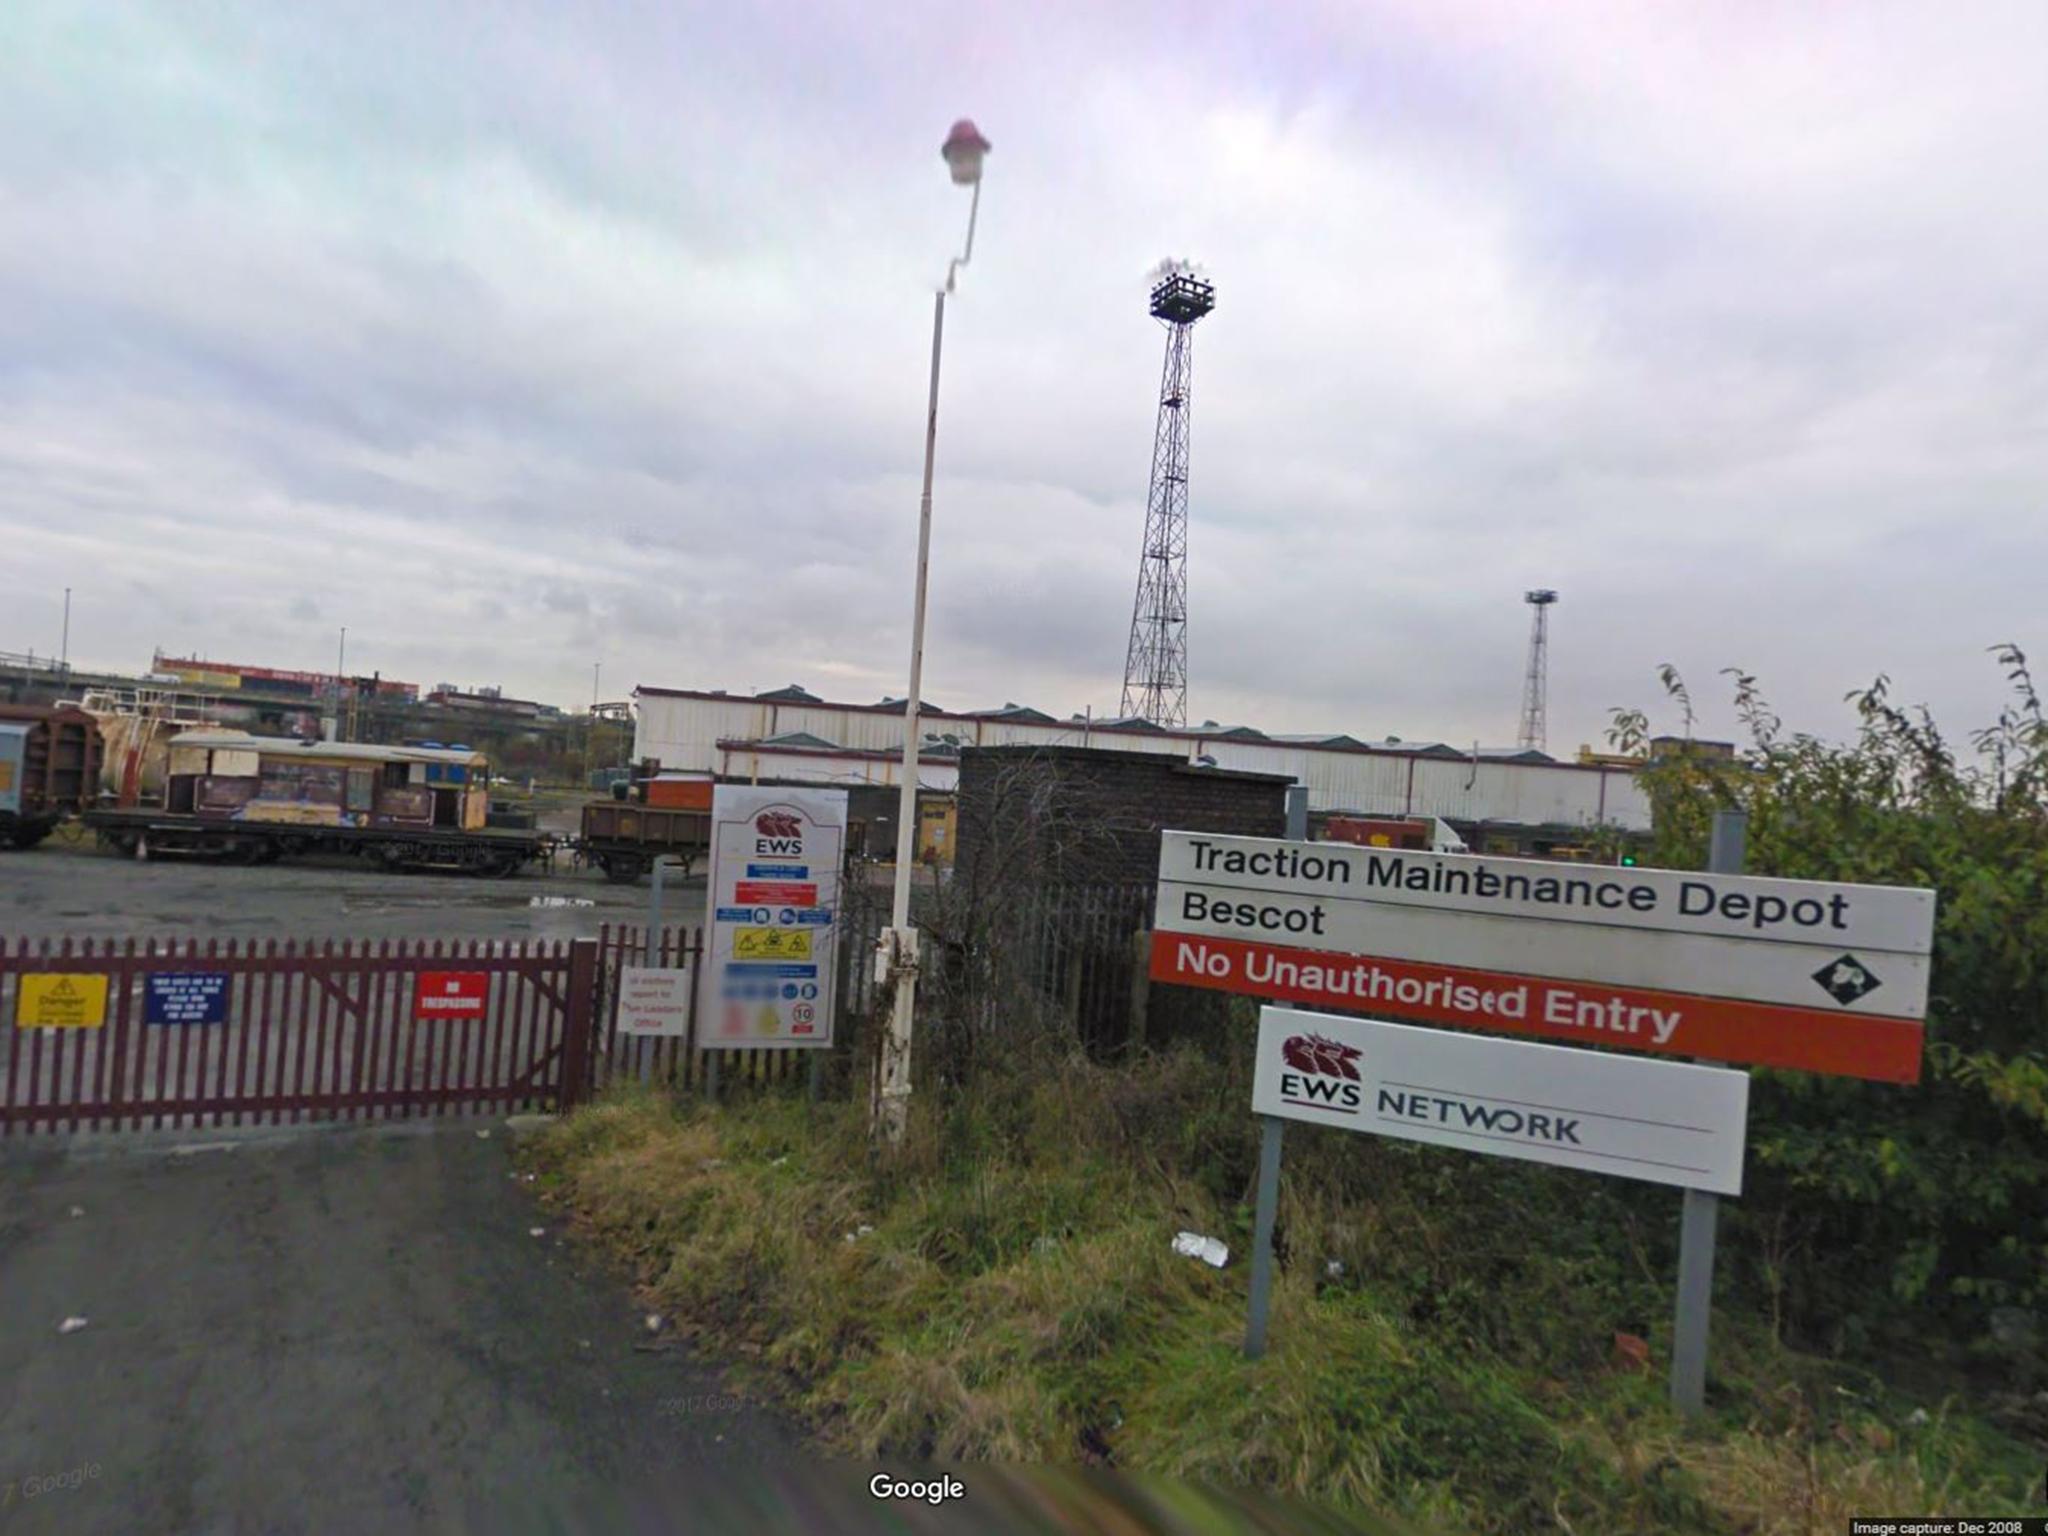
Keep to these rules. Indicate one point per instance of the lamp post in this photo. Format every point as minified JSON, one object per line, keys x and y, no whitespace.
{"x":896,"y":954}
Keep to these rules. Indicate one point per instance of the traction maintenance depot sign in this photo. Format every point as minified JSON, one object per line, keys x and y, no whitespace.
{"x":1665,"y":1122}
{"x":1786,"y":973}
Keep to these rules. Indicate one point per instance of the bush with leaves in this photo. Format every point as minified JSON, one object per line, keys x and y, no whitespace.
{"x":1875,"y":1210}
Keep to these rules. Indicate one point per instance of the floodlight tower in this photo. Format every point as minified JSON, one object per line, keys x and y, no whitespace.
{"x":1536,"y":686}
{"x":1156,"y":664}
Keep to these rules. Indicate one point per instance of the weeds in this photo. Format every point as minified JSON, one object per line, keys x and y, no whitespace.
{"x":1005,"y":1290}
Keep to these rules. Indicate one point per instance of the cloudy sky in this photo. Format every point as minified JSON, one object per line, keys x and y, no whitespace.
{"x":519,"y":337}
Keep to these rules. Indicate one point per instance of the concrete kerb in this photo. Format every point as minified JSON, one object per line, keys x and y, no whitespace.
{"x":204,"y":1140}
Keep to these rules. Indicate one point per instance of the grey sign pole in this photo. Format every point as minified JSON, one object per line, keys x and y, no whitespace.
{"x":1701,"y":1210}
{"x":1270,"y":1127}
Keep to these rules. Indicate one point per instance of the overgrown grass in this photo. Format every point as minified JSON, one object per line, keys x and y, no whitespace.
{"x":1442,"y":1335}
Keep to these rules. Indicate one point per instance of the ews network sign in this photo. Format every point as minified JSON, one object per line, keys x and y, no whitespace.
{"x":1661,"y":1121}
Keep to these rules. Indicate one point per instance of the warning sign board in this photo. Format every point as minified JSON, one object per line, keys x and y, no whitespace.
{"x":451,"y":994}
{"x":771,"y":952}
{"x":771,"y":944}
{"x":783,"y":892}
{"x":61,"y":1000}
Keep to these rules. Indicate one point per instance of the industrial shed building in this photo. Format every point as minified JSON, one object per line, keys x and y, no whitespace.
{"x":804,"y":736}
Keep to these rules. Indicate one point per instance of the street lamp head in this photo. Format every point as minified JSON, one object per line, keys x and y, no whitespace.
{"x":963,"y":149}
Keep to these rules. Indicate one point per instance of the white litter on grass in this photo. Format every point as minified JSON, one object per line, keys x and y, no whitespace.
{"x":862,"y":1231}
{"x":1917,"y":1417}
{"x":77,"y":1211}
{"x":560,"y":901}
{"x":777,"y":1162}
{"x":71,"y":1325}
{"x":536,"y":1231}
{"x":654,"y":1322}
{"x":1195,"y":1246}
{"x":483,"y":1135}
{"x":1334,"y":1269}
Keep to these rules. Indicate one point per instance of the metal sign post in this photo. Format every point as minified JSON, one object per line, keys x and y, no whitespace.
{"x":1297,"y":812}
{"x":1701,"y":1210}
{"x":1270,"y":1127}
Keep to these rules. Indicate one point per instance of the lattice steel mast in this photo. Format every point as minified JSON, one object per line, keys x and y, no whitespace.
{"x":1156,"y":665}
{"x":1536,"y":686}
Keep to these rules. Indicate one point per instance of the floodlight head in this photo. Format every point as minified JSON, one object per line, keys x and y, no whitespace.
{"x":964,"y":149}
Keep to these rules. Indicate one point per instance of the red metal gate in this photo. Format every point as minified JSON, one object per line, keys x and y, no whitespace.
{"x":121,"y":1035}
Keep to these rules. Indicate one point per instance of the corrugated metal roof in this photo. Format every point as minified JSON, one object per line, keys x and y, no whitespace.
{"x":1014,"y":714}
{"x":1316,"y":739}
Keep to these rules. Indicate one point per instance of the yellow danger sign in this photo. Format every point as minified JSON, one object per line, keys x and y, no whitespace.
{"x":771,"y":944}
{"x":61,"y":1001}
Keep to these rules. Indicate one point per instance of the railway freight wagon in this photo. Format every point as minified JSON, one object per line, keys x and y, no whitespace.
{"x":258,"y":799}
{"x":49,"y":769}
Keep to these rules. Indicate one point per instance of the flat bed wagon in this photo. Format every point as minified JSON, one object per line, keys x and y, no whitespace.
{"x":256,"y":800}
{"x":486,"y":851}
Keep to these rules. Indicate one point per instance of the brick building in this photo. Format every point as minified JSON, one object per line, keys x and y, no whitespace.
{"x":1088,"y":814}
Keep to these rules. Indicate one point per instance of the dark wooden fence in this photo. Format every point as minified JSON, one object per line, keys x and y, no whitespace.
{"x":338,"y":1031}
{"x":309,"y":1031}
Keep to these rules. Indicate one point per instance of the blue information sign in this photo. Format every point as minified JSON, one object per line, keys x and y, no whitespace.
{"x":186,"y":997}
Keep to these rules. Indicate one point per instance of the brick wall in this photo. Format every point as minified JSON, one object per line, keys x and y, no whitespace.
{"x":1087,"y":814}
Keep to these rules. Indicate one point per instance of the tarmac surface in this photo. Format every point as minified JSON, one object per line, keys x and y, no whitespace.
{"x":350,"y":1330}
{"x":54,"y":890}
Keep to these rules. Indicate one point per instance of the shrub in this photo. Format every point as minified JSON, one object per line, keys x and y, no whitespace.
{"x":1875,"y":1208}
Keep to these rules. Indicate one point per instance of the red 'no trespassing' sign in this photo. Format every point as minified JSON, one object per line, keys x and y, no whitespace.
{"x":450,"y":994}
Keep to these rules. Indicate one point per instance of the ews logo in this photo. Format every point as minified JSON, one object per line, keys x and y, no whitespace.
{"x":1324,"y":1076}
{"x":778,"y":832}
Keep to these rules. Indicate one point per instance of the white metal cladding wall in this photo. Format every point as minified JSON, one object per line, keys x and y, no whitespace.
{"x":684,"y":733}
